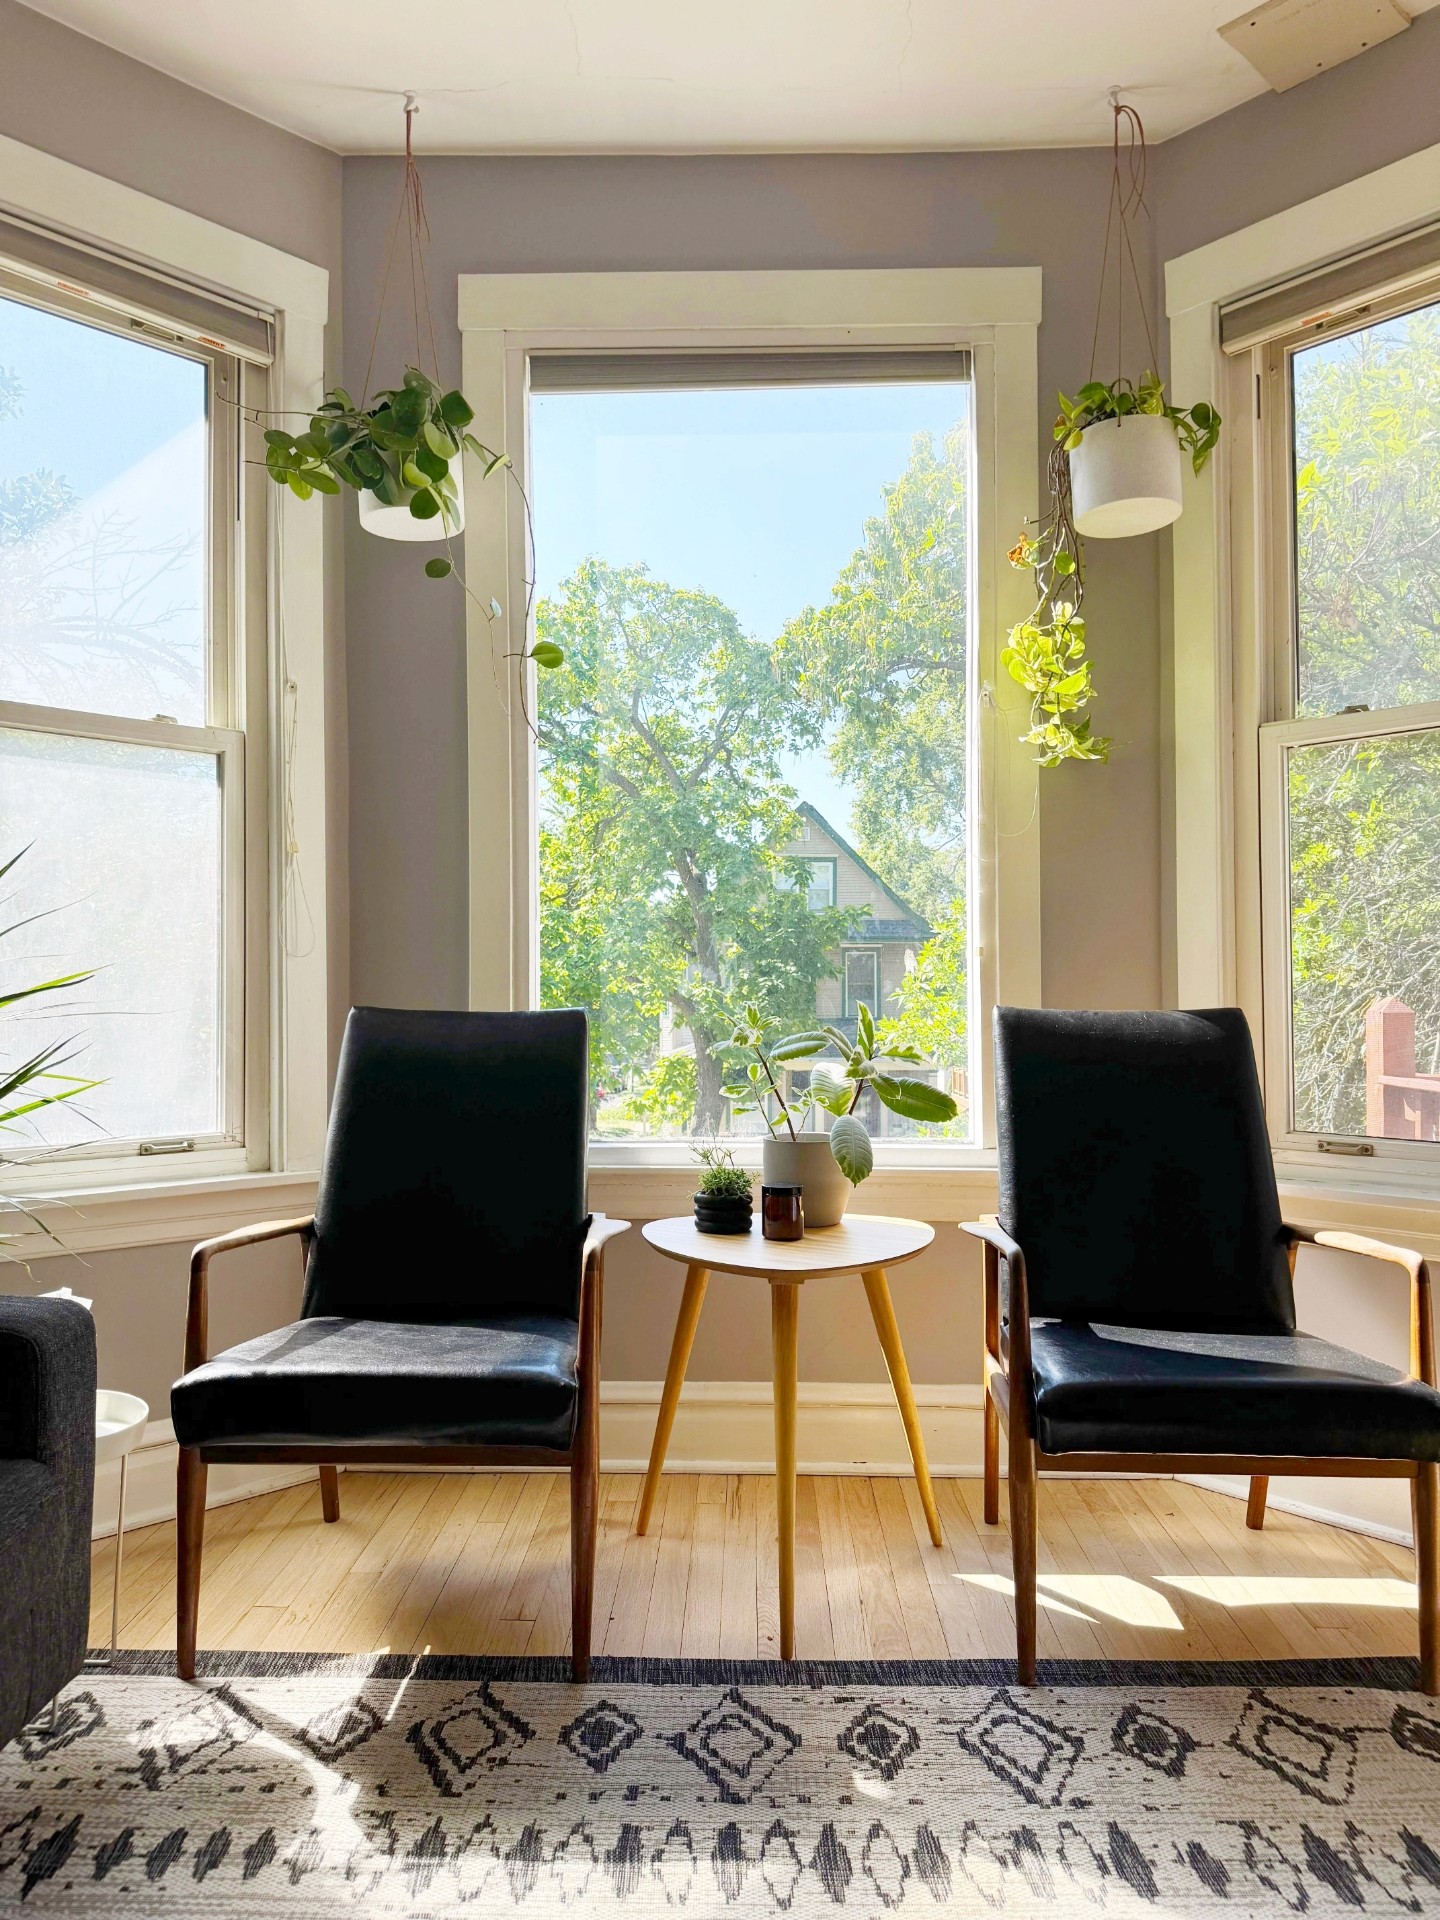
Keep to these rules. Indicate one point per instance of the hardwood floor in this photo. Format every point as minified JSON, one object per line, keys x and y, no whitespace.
{"x":478,"y":1563}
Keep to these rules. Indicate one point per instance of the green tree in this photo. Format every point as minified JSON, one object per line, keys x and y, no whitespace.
{"x":883,"y":665}
{"x":663,"y":880}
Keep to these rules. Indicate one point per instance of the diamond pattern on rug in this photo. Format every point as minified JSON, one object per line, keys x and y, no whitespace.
{"x":296,"y":1794}
{"x":1024,"y":1749}
{"x":736,"y":1745}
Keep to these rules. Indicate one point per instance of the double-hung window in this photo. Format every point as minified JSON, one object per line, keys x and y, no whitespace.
{"x":132,"y":722}
{"x":1349,"y":755}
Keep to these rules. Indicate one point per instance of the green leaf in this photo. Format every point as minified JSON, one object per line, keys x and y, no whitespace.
{"x":799,"y":1046}
{"x":545,"y":653}
{"x":439,"y":443}
{"x":915,"y":1099}
{"x":433,"y":465}
{"x":423,"y":506}
{"x":455,"y":409}
{"x":500,"y":460}
{"x":850,"y":1144}
{"x":439,"y":567}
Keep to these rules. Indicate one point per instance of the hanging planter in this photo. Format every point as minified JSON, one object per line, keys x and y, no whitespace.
{"x":1125,"y":477}
{"x":1124,"y":445}
{"x":402,"y":449}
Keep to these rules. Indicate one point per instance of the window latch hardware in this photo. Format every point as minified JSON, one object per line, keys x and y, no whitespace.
{"x":1363,"y":1148}
{"x":167,"y":1146}
{"x":1360,"y":707}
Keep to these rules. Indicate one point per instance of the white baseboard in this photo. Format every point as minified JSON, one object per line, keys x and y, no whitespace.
{"x":1327,"y":1516}
{"x":150,"y":1483}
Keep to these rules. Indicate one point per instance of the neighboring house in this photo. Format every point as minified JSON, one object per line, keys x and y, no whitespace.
{"x":885,"y":944}
{"x":877,"y":956}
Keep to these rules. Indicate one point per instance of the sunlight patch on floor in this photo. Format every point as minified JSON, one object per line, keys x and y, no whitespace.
{"x":1293,"y":1590}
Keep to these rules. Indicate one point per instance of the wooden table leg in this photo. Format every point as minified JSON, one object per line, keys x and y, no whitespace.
{"x":877,"y":1292}
{"x":784,"y":1320}
{"x":691,"y":1302}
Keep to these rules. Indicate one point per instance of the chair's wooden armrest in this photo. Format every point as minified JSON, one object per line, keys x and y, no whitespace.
{"x":989,"y":1229}
{"x":1422,"y":1314}
{"x":197,"y":1336}
{"x":601,"y":1230}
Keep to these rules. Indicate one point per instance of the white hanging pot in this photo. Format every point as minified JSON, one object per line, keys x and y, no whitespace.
{"x":1125,"y":477}
{"x":398,"y":523}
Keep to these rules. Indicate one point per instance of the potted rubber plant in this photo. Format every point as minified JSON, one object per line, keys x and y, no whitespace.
{"x":723,"y":1199}
{"x":826,"y":1163}
{"x":1125,"y":440}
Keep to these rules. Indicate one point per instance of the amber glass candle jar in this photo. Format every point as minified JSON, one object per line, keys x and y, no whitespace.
{"x":782,"y":1215}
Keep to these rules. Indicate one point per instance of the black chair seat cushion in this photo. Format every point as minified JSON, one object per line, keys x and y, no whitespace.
{"x":503,"y":1381}
{"x":1103,"y":1389}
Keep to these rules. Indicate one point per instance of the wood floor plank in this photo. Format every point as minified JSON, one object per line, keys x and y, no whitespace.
{"x":479,"y":1563}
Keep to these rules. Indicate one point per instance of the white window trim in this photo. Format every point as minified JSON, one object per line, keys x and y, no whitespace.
{"x":1219,"y":661}
{"x":993,"y":311}
{"x":89,"y":1215}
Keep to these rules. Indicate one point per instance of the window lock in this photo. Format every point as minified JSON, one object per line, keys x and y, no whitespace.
{"x":1362,"y":1148}
{"x":167,"y":1146}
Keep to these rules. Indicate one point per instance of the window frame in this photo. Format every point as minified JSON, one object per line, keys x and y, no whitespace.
{"x":994,"y":312}
{"x":275,"y":698}
{"x":849,"y":1007}
{"x":1221,"y":675}
{"x":1280,"y":728}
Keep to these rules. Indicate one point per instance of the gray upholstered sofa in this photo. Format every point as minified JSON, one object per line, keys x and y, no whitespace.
{"x":47,"y":1475}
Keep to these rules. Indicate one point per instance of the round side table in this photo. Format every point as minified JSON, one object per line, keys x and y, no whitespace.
{"x":119,"y":1422}
{"x":862,"y":1243}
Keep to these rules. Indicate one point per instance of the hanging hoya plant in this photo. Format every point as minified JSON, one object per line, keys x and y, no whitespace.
{"x":402,"y":449}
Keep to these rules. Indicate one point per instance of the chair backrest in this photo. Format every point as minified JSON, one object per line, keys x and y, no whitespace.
{"x":1135,"y":1169}
{"x":454,"y":1175}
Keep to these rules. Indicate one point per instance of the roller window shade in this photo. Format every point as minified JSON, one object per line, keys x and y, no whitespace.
{"x":1332,"y":293}
{"x":86,"y":276}
{"x":651,"y":372}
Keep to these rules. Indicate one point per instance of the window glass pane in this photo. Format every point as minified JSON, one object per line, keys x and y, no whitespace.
{"x":103,"y":508}
{"x":1367,"y":484}
{"x":123,"y":869}
{"x":755,"y":754}
{"x":1365,"y":936}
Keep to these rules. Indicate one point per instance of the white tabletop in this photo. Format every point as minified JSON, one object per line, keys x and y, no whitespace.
{"x":119,"y":1422}
{"x":861,"y":1240}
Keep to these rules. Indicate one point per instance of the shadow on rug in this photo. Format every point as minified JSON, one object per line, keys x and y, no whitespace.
{"x":290,"y":1784}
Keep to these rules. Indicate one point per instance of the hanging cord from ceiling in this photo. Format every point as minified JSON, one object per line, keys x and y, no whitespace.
{"x":1129,"y":173}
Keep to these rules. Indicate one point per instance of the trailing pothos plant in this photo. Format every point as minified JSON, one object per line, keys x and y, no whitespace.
{"x":1046,"y":650}
{"x":756,"y":1065}
{"x":399,"y":445}
{"x":1197,"y":428}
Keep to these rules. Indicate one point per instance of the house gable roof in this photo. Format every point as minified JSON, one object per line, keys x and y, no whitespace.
{"x":907,"y":924}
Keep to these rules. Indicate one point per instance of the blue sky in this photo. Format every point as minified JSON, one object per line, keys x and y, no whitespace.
{"x":94,"y":403}
{"x":758,"y":496}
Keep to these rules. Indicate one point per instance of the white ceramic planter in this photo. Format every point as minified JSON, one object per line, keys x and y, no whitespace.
{"x":398,"y":523}
{"x":809,"y":1164}
{"x":1125,"y":477}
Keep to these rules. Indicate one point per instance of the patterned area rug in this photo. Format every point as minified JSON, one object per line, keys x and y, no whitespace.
{"x":287,"y":1785}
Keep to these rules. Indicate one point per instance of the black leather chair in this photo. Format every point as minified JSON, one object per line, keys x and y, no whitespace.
{"x":1148,"y":1323}
{"x":451,"y":1313}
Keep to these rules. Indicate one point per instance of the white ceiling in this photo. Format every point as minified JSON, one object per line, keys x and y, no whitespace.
{"x":691,"y":76}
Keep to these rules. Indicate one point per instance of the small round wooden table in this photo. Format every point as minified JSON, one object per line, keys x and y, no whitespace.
{"x":863,"y":1243}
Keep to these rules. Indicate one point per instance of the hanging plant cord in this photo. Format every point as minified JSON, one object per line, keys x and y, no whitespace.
{"x":1129,"y":173}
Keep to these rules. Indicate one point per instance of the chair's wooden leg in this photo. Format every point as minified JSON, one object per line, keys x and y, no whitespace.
{"x":1255,"y":1505}
{"x":882,"y":1312}
{"x":584,"y":1510}
{"x":992,"y":1461}
{"x":330,"y":1492}
{"x":1023,"y":1544}
{"x":189,"y":1540}
{"x":1425,"y":1511}
{"x":691,"y":1302}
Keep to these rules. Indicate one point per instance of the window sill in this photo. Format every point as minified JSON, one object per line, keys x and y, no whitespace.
{"x":934,"y":1193}
{"x":99,"y":1219}
{"x":1395,"y":1208}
